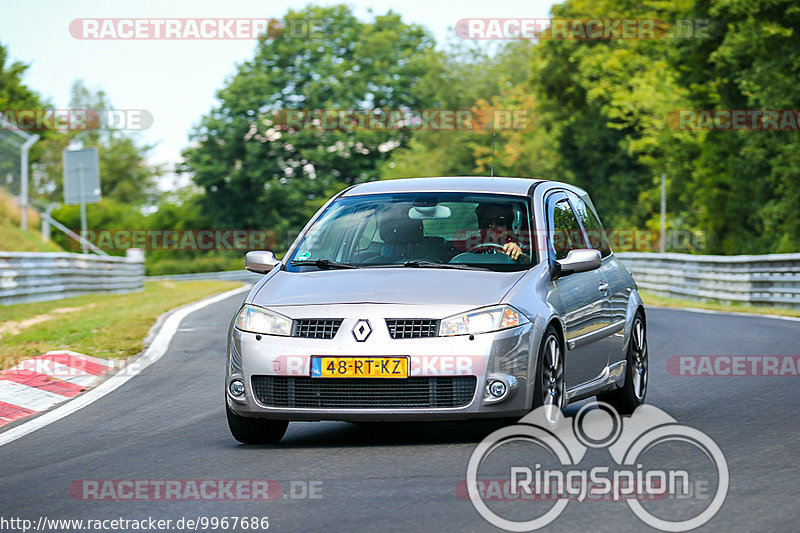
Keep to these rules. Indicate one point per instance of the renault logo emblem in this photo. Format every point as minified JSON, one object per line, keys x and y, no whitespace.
{"x":361,"y":330}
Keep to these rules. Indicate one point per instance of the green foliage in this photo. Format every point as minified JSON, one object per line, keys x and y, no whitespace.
{"x":747,"y":184}
{"x":601,"y":113}
{"x":259,"y":174}
{"x":201,"y":262}
{"x":125,"y":174}
{"x":597,"y":115}
{"x":13,"y":93}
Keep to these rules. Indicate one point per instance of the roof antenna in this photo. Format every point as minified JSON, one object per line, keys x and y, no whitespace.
{"x":491,"y":175}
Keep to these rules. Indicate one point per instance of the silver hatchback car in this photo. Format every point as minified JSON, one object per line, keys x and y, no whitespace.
{"x":436,"y":299}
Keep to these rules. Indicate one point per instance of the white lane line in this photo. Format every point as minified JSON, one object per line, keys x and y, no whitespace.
{"x":153,"y":353}
{"x":711,"y":312}
{"x":28,"y":397}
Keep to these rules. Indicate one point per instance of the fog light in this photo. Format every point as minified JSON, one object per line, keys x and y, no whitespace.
{"x":497,"y":388}
{"x":236,"y":387}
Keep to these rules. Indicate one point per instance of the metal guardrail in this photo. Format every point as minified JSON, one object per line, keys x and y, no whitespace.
{"x":766,"y":280}
{"x":769,"y":280}
{"x":229,"y":275}
{"x":42,"y":276}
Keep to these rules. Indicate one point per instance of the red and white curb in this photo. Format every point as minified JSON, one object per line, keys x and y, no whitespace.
{"x":154,"y":352}
{"x":39,"y":383}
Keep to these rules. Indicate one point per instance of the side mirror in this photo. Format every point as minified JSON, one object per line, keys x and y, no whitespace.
{"x":579,"y":261}
{"x":260,"y":261}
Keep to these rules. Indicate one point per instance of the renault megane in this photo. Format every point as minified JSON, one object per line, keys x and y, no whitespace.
{"x":436,"y":299}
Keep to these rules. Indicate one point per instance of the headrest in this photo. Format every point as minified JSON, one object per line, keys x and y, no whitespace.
{"x":396,"y":227}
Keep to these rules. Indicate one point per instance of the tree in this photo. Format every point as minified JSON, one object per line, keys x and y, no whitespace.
{"x":257,"y":169}
{"x":747,"y":182}
{"x":471,"y":77}
{"x":125,"y":174}
{"x":13,"y":93}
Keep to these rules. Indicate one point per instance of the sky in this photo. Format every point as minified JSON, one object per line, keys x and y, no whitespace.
{"x":176,"y":80}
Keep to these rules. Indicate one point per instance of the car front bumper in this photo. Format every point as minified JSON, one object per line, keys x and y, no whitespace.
{"x":435,"y":362}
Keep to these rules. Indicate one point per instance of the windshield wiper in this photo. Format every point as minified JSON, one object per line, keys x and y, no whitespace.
{"x":323,"y":263}
{"x":431,"y":264}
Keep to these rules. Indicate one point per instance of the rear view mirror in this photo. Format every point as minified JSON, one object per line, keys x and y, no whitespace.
{"x":419,"y":212}
{"x":260,"y":261}
{"x":579,"y":261}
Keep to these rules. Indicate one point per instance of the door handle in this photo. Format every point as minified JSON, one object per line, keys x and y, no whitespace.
{"x":603,"y":286}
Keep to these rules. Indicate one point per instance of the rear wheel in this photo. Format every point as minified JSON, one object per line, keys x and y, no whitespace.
{"x":634,"y":389}
{"x":255,"y":430}
{"x":550,"y":389}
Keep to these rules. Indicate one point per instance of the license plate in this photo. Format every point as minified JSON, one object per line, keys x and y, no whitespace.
{"x":359,"y":367}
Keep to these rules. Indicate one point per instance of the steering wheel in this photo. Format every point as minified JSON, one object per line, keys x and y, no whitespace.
{"x":488,"y":246}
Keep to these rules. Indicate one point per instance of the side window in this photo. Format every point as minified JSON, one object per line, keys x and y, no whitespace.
{"x":598,"y":239}
{"x":566,"y":234}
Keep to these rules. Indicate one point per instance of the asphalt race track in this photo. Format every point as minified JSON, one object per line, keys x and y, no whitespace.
{"x":169,"y":423}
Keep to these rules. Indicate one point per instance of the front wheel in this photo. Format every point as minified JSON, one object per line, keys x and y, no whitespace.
{"x":550,"y":389}
{"x":633,"y":391}
{"x":255,"y":430}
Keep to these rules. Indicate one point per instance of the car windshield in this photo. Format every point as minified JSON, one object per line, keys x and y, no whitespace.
{"x":420,"y":230}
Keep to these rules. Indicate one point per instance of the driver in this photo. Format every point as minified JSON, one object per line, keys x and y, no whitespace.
{"x":495,"y":221}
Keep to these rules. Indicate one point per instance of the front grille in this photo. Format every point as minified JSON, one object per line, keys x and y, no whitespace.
{"x":412,"y":328}
{"x":345,"y":393}
{"x":316,"y":328}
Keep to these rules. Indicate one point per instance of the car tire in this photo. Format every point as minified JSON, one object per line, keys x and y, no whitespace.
{"x":632,"y":394}
{"x":550,"y":387}
{"x":255,"y":430}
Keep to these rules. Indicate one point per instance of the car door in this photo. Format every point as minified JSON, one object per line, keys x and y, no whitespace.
{"x":619,"y":288}
{"x":583,"y":297}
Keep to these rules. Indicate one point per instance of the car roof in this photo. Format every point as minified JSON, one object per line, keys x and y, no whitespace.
{"x":471,"y":184}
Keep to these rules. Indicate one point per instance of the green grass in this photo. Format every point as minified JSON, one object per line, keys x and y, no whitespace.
{"x":158,"y":266}
{"x":103,"y":325}
{"x":12,"y":238}
{"x":663,"y":301}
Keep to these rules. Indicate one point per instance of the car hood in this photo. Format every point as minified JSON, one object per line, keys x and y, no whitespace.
{"x":386,"y":285}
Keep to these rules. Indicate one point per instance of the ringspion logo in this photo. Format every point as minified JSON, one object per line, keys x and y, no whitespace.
{"x":539,"y":481}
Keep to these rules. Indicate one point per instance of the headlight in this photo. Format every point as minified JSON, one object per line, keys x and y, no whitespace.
{"x":482,"y":321}
{"x":259,"y":320}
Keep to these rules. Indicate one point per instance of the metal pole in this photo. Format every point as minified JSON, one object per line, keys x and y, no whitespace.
{"x":81,"y":193}
{"x":23,"y":190}
{"x":492,"y":172}
{"x":46,"y":221}
{"x":83,"y":226}
{"x":663,"y":241}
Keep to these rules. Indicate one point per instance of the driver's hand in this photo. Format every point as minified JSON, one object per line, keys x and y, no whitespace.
{"x":512,"y":250}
